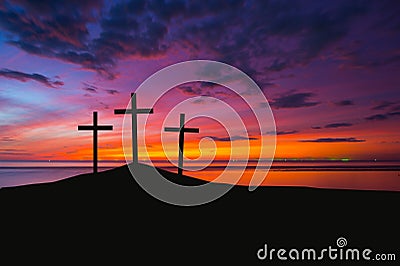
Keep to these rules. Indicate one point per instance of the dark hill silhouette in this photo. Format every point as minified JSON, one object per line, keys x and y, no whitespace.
{"x":108,"y":216}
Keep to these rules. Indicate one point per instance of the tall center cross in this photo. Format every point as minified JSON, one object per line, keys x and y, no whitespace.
{"x":95,"y":127}
{"x":182,"y":130}
{"x":133,"y":111}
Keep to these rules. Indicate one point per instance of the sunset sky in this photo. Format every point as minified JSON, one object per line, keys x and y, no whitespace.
{"x":329,"y":69}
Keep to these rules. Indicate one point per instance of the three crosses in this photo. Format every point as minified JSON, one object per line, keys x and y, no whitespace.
{"x":133,"y":111}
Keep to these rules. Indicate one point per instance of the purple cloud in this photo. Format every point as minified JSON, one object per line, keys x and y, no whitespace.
{"x":344,"y":103}
{"x":233,"y":138}
{"x":333,"y":140}
{"x":281,"y":133}
{"x":294,"y":100}
{"x":382,"y":105}
{"x":90,"y":88}
{"x":112,"y":92}
{"x":336,"y":125}
{"x":24,"y":77}
{"x":57,"y":29}
{"x":376,"y":117}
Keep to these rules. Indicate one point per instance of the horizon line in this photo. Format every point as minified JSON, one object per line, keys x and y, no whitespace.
{"x":219,"y":160}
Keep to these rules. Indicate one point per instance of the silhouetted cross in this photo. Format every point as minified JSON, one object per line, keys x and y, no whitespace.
{"x":133,"y":111}
{"x":182,"y":130}
{"x":95,"y":128}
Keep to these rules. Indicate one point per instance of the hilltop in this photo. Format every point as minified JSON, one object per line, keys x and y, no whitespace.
{"x":109,"y":215}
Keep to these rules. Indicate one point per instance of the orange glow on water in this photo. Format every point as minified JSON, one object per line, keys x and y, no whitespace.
{"x":362,"y":180}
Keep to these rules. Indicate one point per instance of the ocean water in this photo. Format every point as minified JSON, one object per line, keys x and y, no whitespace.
{"x":364,"y":175}
{"x":15,"y":176}
{"x":16,"y":173}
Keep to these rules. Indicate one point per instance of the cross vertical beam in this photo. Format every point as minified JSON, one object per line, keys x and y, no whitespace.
{"x":181,"y":142}
{"x":133,"y":111}
{"x":95,"y":128}
{"x":182,"y":130}
{"x":135,"y":152}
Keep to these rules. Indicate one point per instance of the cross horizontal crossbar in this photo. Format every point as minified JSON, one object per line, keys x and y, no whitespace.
{"x":129,"y":111}
{"x":145,"y":111}
{"x":105,"y":127}
{"x":191,"y":130}
{"x":185,"y":129}
{"x":172,"y":129}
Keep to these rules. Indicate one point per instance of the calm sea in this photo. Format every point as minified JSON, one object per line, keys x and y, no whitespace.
{"x":368,"y":175}
{"x":15,"y":173}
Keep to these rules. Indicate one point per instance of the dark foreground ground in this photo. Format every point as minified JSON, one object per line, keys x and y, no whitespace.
{"x":108,"y":218}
